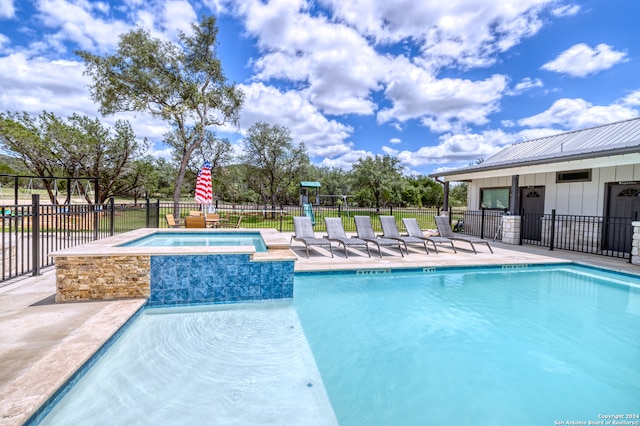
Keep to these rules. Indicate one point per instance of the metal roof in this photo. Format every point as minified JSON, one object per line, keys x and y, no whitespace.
{"x":609,"y":139}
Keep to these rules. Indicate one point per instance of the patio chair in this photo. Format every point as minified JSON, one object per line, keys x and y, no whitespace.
{"x":336,"y":233}
{"x":364,"y":229}
{"x":390,"y":230}
{"x":304,"y":233}
{"x":231,"y":225}
{"x":413,"y":229}
{"x":171,"y":221}
{"x":444,"y":228}
{"x":195,"y":222}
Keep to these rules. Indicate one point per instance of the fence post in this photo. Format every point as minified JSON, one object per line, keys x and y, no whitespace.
{"x":112,"y":216}
{"x":158,"y":213}
{"x":147,"y":213}
{"x":391,"y":210}
{"x":522,"y":219}
{"x":553,"y":228}
{"x":482,"y":223}
{"x":35,"y":236}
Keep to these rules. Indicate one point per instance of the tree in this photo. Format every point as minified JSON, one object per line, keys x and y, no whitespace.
{"x":79,"y":147}
{"x":275,"y":161}
{"x":380,"y":175}
{"x":181,"y":83}
{"x":458,"y":195}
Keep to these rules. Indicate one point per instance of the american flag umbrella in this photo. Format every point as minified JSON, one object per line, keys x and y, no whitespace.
{"x":204,"y":190}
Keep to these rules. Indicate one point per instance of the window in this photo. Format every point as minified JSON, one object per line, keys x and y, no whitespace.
{"x":573,"y":176}
{"x":494,"y":198}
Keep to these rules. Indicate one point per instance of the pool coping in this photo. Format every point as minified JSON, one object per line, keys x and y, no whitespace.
{"x":277,"y":245}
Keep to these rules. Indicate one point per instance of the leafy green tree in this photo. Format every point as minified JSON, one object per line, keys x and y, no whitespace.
{"x":78,"y":147}
{"x":274,"y":161}
{"x":381,"y":175}
{"x":458,"y":195}
{"x":181,"y":83}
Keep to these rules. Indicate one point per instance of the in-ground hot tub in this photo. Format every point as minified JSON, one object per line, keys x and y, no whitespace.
{"x":178,"y":273}
{"x":200,"y":239}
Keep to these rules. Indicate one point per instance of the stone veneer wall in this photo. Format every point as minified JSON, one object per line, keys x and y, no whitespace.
{"x":511,"y":229}
{"x":635,"y":245}
{"x":102,"y":277}
{"x":220,"y":278}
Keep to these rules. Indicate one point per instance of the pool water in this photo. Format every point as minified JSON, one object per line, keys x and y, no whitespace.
{"x":198,"y":239}
{"x":472,"y":346}
{"x":477,"y":347}
{"x":216,"y":365}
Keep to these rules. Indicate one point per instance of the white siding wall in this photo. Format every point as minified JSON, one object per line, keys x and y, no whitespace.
{"x":579,"y":198}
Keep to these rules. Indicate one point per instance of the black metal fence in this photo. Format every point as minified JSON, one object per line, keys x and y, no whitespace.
{"x":608,"y":236}
{"x":281,"y":217}
{"x":30,"y":232}
{"x":479,"y":223}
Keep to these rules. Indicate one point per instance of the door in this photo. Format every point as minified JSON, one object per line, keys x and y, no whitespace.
{"x":532,"y":204}
{"x":623,"y":208}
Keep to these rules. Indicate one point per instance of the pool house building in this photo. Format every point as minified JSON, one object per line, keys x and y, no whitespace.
{"x":578,"y":190}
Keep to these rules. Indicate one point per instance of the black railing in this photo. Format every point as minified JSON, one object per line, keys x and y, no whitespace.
{"x":608,"y":236}
{"x":30,"y":232}
{"x":479,"y":223}
{"x":281,"y":217}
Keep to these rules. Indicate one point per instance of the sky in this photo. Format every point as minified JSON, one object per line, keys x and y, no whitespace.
{"x":437,"y":84}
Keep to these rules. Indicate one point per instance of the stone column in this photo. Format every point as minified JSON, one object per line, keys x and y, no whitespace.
{"x":635,"y":245}
{"x":511,"y":229}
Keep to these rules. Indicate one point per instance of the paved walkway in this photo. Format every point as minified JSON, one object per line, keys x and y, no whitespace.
{"x":43,"y":343}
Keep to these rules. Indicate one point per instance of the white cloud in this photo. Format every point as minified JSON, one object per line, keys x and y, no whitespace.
{"x":416,"y":93}
{"x":581,"y":60}
{"x":457,"y":148}
{"x":395,"y":140}
{"x":36,"y":84}
{"x":74,"y":21}
{"x":346,"y":161}
{"x":467,"y":33}
{"x":322,"y":137}
{"x":525,"y":84}
{"x":7,"y":9}
{"x":4,"y":40}
{"x":390,"y":151}
{"x":178,"y":16}
{"x":573,"y":114}
{"x":335,"y":64}
{"x":566,"y":10}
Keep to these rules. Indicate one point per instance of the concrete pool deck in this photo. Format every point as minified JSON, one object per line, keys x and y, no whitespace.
{"x":43,"y":343}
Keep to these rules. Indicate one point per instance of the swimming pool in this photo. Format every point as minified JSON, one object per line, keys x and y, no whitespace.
{"x":200,"y":239}
{"x":468,"y":345}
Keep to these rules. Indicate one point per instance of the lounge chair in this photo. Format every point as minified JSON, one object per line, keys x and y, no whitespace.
{"x":413,"y":229}
{"x":364,"y":229}
{"x":336,"y":233}
{"x":195,"y":222}
{"x":390,"y":230}
{"x":444,"y":228}
{"x":304,"y":233}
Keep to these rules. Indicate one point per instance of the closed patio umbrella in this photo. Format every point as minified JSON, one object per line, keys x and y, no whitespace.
{"x":204,"y":190}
